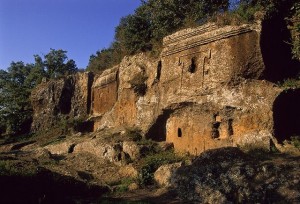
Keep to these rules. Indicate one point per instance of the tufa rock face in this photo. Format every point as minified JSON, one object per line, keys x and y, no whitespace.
{"x":60,"y":99}
{"x":207,"y":90}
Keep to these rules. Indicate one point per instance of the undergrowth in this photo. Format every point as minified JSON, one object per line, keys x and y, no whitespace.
{"x":15,"y":168}
{"x":295,"y":140}
{"x":290,"y":83}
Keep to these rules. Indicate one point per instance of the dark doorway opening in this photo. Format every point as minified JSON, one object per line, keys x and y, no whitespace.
{"x":158,"y":73}
{"x":179,"y":132}
{"x":286,"y":114}
{"x":158,"y":131}
{"x":192,"y":67}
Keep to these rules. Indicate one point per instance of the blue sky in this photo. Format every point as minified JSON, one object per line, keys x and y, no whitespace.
{"x":81,"y":27}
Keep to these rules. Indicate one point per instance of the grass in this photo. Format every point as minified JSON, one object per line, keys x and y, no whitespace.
{"x":124,"y":184}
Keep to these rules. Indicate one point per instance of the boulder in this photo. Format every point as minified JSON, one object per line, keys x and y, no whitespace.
{"x":164,"y":175}
{"x":132,"y":149}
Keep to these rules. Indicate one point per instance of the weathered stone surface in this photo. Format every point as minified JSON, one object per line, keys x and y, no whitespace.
{"x":206,"y":90}
{"x":164,"y":175}
{"x":228,"y":117}
{"x":133,"y":186}
{"x":209,"y":57}
{"x":128,"y":171}
{"x":132,"y":149}
{"x":108,"y":150}
{"x":105,"y":91}
{"x":228,"y":175}
{"x":99,"y":148}
{"x":57,"y":99}
{"x":130,"y":109}
{"x":61,"y":148}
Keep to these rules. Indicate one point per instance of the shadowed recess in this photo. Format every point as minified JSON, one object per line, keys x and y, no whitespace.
{"x":276,"y":50}
{"x":286,"y":113}
{"x":158,"y":130}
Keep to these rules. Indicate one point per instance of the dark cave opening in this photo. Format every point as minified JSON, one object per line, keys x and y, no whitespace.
{"x":286,"y":114}
{"x":158,"y":131}
{"x":65,"y":100}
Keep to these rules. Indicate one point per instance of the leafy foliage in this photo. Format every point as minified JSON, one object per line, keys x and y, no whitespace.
{"x":56,"y":64}
{"x":15,"y":86}
{"x":296,"y":30}
{"x":287,"y":9}
{"x":290,"y":83}
{"x":296,"y":141}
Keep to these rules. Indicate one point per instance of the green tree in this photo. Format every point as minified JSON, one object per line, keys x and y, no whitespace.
{"x":57,"y":64}
{"x":15,"y":87}
{"x":134,"y":31}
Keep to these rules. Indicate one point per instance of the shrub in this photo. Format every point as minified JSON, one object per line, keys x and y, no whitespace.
{"x":296,"y":141}
{"x":133,"y":134}
{"x":295,"y":30}
{"x":139,"y":85}
{"x":290,"y":83}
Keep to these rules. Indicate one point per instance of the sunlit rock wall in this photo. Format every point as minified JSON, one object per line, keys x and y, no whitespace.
{"x":206,"y":90}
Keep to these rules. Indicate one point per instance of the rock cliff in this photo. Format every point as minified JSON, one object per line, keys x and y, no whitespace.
{"x":208,"y":89}
{"x":60,"y":99}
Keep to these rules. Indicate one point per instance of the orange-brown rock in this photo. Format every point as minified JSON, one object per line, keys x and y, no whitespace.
{"x":211,"y":87}
{"x":105,"y":92}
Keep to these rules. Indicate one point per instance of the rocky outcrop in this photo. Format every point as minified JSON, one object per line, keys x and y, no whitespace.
{"x":208,"y":89}
{"x":61,"y":99}
{"x":164,"y":174}
{"x":228,"y":175}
